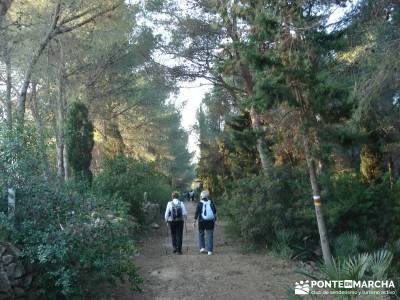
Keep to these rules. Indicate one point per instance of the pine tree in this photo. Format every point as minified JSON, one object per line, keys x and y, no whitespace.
{"x":79,"y":140}
{"x":288,"y":51}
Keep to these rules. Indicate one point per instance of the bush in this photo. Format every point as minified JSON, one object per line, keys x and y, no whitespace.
{"x":260,"y":211}
{"x":20,"y":157}
{"x":371,"y":211}
{"x":281,"y":215}
{"x":76,"y":241}
{"x":128,"y":179}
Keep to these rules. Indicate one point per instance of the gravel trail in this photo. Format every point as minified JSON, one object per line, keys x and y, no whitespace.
{"x":228,"y":274}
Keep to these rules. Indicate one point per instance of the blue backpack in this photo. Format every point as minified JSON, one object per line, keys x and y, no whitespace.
{"x":207,"y":213}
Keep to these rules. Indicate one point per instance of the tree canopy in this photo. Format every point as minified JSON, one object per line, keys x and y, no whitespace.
{"x":298,"y":134}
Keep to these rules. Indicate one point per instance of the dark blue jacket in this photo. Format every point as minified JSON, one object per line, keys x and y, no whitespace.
{"x":205,"y":224}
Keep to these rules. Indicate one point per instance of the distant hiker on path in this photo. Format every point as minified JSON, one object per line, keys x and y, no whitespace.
{"x":191,"y":195}
{"x":206,"y":214}
{"x":175,"y":217}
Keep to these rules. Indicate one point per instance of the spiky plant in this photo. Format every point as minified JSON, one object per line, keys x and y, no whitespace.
{"x":364,"y":266}
{"x":348,"y":244}
{"x":380,"y":264}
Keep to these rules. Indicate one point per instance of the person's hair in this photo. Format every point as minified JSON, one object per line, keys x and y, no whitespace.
{"x":204,"y":194}
{"x":175,"y":195}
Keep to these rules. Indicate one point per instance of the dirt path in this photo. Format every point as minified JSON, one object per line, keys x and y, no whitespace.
{"x":228,"y":274}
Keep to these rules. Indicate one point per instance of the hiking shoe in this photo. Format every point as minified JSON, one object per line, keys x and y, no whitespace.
{"x":202,"y":250}
{"x":209,"y":253}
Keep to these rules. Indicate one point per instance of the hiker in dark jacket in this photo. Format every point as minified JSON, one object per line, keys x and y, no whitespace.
{"x":206,"y":214}
{"x":175,"y":216}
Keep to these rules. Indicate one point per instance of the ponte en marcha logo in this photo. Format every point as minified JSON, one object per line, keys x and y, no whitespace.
{"x":345,"y":287}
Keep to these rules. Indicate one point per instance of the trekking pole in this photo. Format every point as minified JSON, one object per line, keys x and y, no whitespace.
{"x":186,"y":232}
{"x":165,"y":244}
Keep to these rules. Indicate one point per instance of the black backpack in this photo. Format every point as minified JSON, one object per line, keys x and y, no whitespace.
{"x":176,"y":211}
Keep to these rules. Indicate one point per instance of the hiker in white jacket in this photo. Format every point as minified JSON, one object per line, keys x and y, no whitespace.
{"x":175,"y":216}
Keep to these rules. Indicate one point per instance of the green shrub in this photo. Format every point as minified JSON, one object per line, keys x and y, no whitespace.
{"x":259,"y":211}
{"x":248,"y":211}
{"x":281,"y":247}
{"x":76,"y":241}
{"x":371,"y":211}
{"x":20,"y":157}
{"x":129,"y":179}
{"x":348,"y":244}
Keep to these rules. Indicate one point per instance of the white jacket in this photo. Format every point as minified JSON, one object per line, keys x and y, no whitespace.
{"x":168,"y":211}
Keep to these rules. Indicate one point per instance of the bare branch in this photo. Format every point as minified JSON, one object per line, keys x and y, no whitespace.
{"x":63,"y":29}
{"x":77,"y":16}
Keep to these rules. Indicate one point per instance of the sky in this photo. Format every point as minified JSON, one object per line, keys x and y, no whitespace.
{"x":189,"y":98}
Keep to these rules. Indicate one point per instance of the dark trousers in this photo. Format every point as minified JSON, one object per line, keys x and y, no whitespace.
{"x":176,"y":234}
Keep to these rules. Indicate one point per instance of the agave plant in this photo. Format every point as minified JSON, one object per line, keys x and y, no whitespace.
{"x":361,"y":267}
{"x":355,"y":267}
{"x":393,"y":247}
{"x":364,"y":266}
{"x":281,"y":246}
{"x":380,"y":263}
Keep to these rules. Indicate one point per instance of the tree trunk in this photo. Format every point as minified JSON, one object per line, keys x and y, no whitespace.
{"x":54,"y":30}
{"x":67,"y":168}
{"x":39,"y":125}
{"x":262,"y":150}
{"x":8,"y":108}
{"x":323,"y":234}
{"x":11,"y":202}
{"x":34,"y":59}
{"x":255,"y":118}
{"x":306,"y":114}
{"x":312,"y":170}
{"x":27,"y":78}
{"x":60,"y":159}
{"x":60,"y":124}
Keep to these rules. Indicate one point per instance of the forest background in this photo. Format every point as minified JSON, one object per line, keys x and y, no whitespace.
{"x":299,"y":135}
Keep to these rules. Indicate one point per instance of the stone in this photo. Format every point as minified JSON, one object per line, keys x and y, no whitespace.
{"x":15,"y":251}
{"x":151,"y":211}
{"x":27,"y":281}
{"x":155,"y":226}
{"x":2,"y":250}
{"x":4,"y":296}
{"x":10,"y":270}
{"x":18,"y":292}
{"x":4,"y":283}
{"x":19,"y":271}
{"x":7,"y":259}
{"x":16,"y":282}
